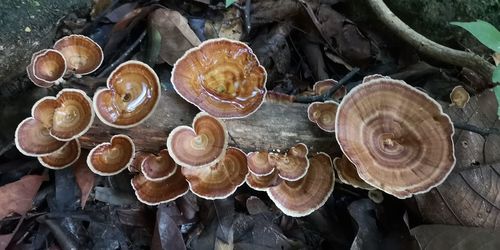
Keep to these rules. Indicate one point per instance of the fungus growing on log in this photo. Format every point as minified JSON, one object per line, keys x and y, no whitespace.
{"x":156,"y":192}
{"x":323,"y":86}
{"x":63,"y":157}
{"x":32,"y":138}
{"x":323,"y":114}
{"x":83,"y":55}
{"x":110,"y":158}
{"x":47,"y":67}
{"x":157,"y":168}
{"x":293,"y":164}
{"x":346,"y":171}
{"x":258,"y":163}
{"x":264,"y":182}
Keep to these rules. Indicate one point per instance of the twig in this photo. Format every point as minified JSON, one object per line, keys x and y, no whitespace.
{"x":428,"y":47}
{"x":480,"y":131}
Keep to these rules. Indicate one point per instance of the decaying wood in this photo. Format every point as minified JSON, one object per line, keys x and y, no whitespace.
{"x":273,"y":126}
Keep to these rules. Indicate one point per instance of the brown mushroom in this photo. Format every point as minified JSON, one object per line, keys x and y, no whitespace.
{"x":323,"y":86}
{"x":83,"y":55}
{"x":47,"y":67}
{"x":346,"y":171}
{"x":459,"y":96}
{"x":67,"y":116}
{"x":221,"y":77}
{"x":220,"y":180}
{"x":302,"y":197}
{"x":398,"y":138}
{"x":374,"y":77}
{"x":202,"y":145}
{"x":31,"y":75}
{"x":293,"y":164}
{"x":262,"y":183}
{"x":110,"y":158}
{"x":32,"y":138}
{"x":323,"y":114}
{"x":63,"y":157}
{"x":157,"y":168}
{"x":258,"y":163}
{"x":156,"y":192}
{"x":132,"y":94}
{"x":136,"y":164}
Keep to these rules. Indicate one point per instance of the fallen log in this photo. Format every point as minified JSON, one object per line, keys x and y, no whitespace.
{"x":273,"y":126}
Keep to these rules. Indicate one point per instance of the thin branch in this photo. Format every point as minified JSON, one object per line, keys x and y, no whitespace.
{"x":484,"y":132}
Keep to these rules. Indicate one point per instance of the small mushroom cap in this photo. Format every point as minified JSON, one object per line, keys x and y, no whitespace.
{"x":139,"y":157}
{"x":110,"y":158}
{"x":323,"y":86}
{"x":323,"y":114}
{"x":292,"y":165}
{"x":49,"y":66}
{"x":459,"y":96}
{"x":398,"y":138}
{"x":34,"y":139}
{"x":221,"y":77}
{"x":157,"y":168}
{"x":31,"y":74}
{"x":346,"y":171}
{"x":277,"y":97}
{"x":220,"y":180}
{"x":262,"y":183}
{"x":156,"y":192}
{"x":67,"y":116}
{"x":83,"y":56}
{"x":258,"y":163}
{"x":374,"y":77}
{"x":63,"y":157}
{"x":131,"y":97}
{"x":202,"y":145}
{"x":302,"y":197}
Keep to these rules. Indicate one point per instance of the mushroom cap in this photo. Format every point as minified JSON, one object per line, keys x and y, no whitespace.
{"x":202,"y":145}
{"x":277,"y":97}
{"x":67,"y":116}
{"x":83,"y":55}
{"x":220,"y":180}
{"x":110,"y":158}
{"x":323,"y":86}
{"x":323,"y":114}
{"x":157,"y":168}
{"x":258,"y":163}
{"x":131,"y":97}
{"x":221,"y":77}
{"x":374,"y":77}
{"x":156,"y":192}
{"x":459,"y":96}
{"x":398,"y":138}
{"x":31,"y":74}
{"x":302,"y":197}
{"x":346,"y":171}
{"x":63,"y":157}
{"x":49,"y":66}
{"x":32,"y":138}
{"x":262,"y":183}
{"x":293,"y":164}
{"x":136,"y":164}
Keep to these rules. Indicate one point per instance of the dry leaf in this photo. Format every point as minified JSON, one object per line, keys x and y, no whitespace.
{"x":176,"y":35}
{"x":230,"y":26}
{"x":166,"y":235}
{"x":18,"y":196}
{"x":5,"y":240}
{"x":84,"y":177}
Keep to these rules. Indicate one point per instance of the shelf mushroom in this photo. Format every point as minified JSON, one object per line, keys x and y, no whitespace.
{"x":157,"y":168}
{"x":323,"y":114}
{"x":47,"y":67}
{"x":258,"y":163}
{"x":83,"y":55}
{"x":323,"y":86}
{"x":263,"y":182}
{"x":346,"y":171}
{"x":132,"y":94}
{"x":110,"y":158}
{"x":156,"y":192}
{"x":459,"y":96}
{"x":32,"y":138}
{"x":398,"y":137}
{"x":220,"y":180}
{"x":302,"y":197}
{"x":221,"y":77}
{"x":63,"y":157}
{"x":293,"y":164}
{"x":201,"y":145}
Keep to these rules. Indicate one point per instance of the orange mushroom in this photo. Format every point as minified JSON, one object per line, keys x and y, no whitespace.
{"x":323,"y":114}
{"x":110,"y":158}
{"x":292,"y":165}
{"x":156,"y":192}
{"x":83,"y":55}
{"x":32,"y":138}
{"x":47,"y":67}
{"x":220,"y":180}
{"x":157,"y":168}
{"x":221,"y":77}
{"x":202,"y":145}
{"x":346,"y":171}
{"x":132,"y":94}
{"x":302,"y":197}
{"x":63,"y":157}
{"x":398,"y":137}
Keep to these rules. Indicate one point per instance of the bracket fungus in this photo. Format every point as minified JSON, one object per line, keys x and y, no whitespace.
{"x":323,"y":86}
{"x":398,"y":137}
{"x":221,"y":77}
{"x":258,"y":163}
{"x":263,"y":182}
{"x":63,"y":157}
{"x":293,"y":164}
{"x":220,"y":180}
{"x":156,"y":192}
{"x":132,"y":94}
{"x":110,"y":158}
{"x":304,"y":196}
{"x":346,"y":171}
{"x":201,"y":145}
{"x":459,"y":96}
{"x":83,"y":55}
{"x":32,"y":138}
{"x":323,"y":114}
{"x":157,"y":168}
{"x":47,"y":67}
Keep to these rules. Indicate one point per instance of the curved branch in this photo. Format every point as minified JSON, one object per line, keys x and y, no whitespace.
{"x":428,"y":47}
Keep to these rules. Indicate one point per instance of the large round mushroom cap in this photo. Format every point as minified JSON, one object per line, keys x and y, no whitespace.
{"x":156,"y":192}
{"x":83,"y":55}
{"x":32,"y":138}
{"x":67,"y":116}
{"x":221,"y":77}
{"x":293,"y":164}
{"x":220,"y":180}
{"x":63,"y":157}
{"x":202,"y":145}
{"x":49,"y":66}
{"x":346,"y":171}
{"x":110,"y":158}
{"x":323,"y":114}
{"x":157,"y":168}
{"x":131,"y":97}
{"x":258,"y":163}
{"x":398,"y":138}
{"x":302,"y":197}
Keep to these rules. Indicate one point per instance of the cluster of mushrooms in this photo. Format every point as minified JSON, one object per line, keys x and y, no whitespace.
{"x":394,"y":137}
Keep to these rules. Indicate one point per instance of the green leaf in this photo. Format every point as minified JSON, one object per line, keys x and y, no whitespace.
{"x":496,"y":76}
{"x":229,"y":2}
{"x":496,"y":89}
{"x":486,"y":33}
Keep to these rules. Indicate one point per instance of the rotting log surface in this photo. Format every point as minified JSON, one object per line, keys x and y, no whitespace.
{"x":273,"y":126}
